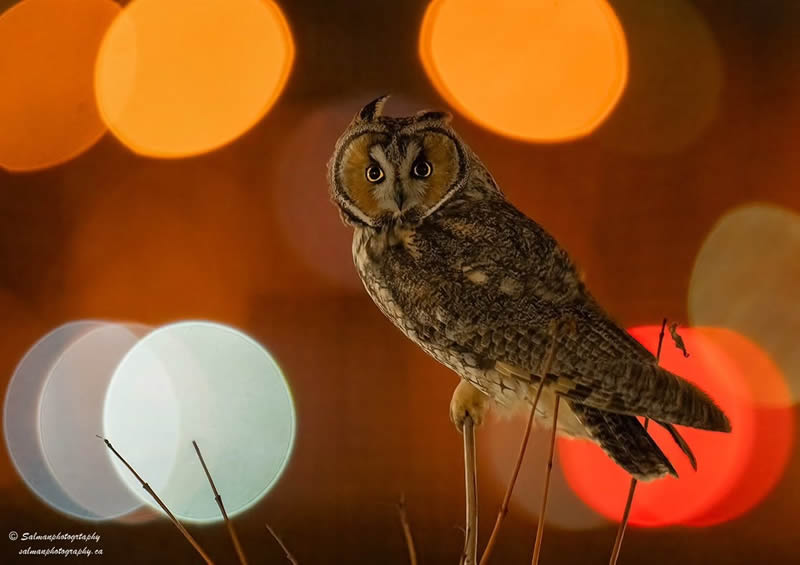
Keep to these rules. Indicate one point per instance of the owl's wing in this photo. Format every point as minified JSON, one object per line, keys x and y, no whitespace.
{"x":505,"y":282}
{"x":591,"y":369}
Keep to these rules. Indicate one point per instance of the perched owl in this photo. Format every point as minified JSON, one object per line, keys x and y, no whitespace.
{"x":477,"y":285}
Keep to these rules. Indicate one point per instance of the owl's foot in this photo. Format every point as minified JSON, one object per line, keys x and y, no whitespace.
{"x":468,"y":401}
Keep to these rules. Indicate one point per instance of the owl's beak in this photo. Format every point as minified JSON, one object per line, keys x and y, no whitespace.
{"x":399,"y":198}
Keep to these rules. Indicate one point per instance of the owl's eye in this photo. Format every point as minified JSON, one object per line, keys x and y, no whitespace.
{"x":374,"y":174}
{"x":422,"y":169}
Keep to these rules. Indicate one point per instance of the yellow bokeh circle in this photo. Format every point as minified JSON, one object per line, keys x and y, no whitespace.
{"x":185,"y":77}
{"x":534,"y":70}
{"x":47,"y":54}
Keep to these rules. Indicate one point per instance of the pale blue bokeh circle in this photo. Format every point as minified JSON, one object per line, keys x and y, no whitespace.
{"x":71,"y":413}
{"x":210,"y":383}
{"x":21,"y":422}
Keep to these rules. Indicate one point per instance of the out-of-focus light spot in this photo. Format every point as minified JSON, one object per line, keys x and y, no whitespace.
{"x":774,"y":424}
{"x":71,"y":413}
{"x":184,"y":77}
{"x":6,"y":4}
{"x":722,"y":458}
{"x":47,"y":108}
{"x":745,"y":278}
{"x":565,"y":509}
{"x":182,"y":248}
{"x":20,"y":328}
{"x":533,"y":70}
{"x":675,"y":78}
{"x":141,"y":515}
{"x":205,"y":382}
{"x":21,"y":415}
{"x":765,"y":385}
{"x":300,"y":192}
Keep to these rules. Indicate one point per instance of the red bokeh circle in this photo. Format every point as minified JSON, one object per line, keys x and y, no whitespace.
{"x":734,"y":472}
{"x":773,"y":426}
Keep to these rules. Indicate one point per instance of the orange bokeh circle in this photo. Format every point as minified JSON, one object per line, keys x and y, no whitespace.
{"x":735,"y":472}
{"x":47,"y":108}
{"x":533,"y":70}
{"x":183,"y":77}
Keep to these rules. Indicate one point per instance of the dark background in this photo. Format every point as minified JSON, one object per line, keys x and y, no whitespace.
{"x":217,"y":237}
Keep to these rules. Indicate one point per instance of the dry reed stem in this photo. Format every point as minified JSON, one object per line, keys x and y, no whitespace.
{"x":632,"y":490}
{"x":163,"y":506}
{"x":285,"y":549}
{"x":501,"y":514}
{"x":218,"y":498}
{"x":401,"y":509}
{"x":469,"y":556}
{"x":537,"y":546}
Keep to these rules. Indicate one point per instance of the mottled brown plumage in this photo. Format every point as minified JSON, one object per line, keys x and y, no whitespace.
{"x":477,"y":284}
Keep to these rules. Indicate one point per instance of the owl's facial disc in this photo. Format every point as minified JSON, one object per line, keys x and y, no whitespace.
{"x":397,"y":176}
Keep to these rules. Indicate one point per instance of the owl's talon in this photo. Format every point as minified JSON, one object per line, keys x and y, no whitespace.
{"x":468,"y":401}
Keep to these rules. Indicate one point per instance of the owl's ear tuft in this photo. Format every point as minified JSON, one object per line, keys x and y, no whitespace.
{"x":372,"y":110}
{"x":437,"y":115}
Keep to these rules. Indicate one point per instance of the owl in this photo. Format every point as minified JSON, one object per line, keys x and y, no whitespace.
{"x":478,"y":285}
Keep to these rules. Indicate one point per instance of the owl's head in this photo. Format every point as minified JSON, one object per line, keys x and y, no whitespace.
{"x":385,"y":170}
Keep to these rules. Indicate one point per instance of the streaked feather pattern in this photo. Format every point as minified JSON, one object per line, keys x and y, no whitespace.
{"x":477,"y":285}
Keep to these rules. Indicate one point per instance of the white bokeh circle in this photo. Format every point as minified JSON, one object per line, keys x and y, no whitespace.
{"x":210,"y":383}
{"x":745,"y":279}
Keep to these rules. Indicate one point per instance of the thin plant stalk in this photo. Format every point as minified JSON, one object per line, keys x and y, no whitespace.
{"x":163,"y":506}
{"x":285,"y":549}
{"x":218,"y":498}
{"x":469,"y":556}
{"x":412,"y":552}
{"x":537,"y":546}
{"x":632,"y":490}
{"x":501,"y":514}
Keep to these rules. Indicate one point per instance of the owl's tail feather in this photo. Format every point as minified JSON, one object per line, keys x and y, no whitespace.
{"x":636,"y":388}
{"x":626,"y":441}
{"x":681,"y":443}
{"x":642,"y":389}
